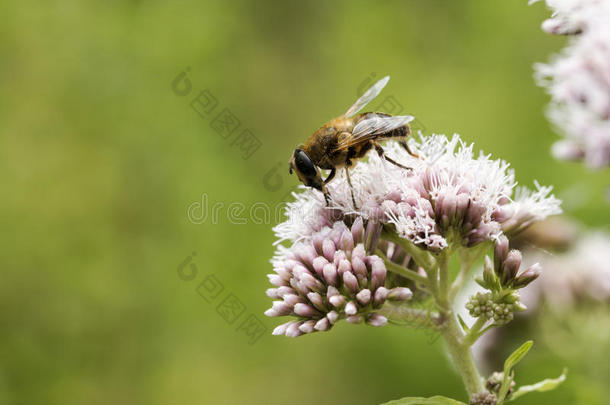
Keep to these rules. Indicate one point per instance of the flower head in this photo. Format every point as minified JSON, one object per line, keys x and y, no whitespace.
{"x":578,"y":81}
{"x":450,"y":195}
{"x":574,"y":16}
{"x":328,"y":278}
{"x":580,"y":274}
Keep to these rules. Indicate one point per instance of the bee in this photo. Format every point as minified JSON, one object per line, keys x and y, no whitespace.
{"x":347,"y":138}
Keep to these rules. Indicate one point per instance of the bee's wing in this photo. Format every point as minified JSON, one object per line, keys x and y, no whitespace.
{"x":372,"y":127}
{"x":376,"y":125}
{"x":366,"y":98}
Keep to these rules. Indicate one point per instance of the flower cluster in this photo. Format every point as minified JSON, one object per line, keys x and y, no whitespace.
{"x":483,"y":305}
{"x":502,"y":278}
{"x":580,"y":274}
{"x":578,"y":80}
{"x":449,"y":196}
{"x":571,"y":17}
{"x":328,"y":278}
{"x":575,"y":280}
{"x":494,"y":383}
{"x":483,"y":398}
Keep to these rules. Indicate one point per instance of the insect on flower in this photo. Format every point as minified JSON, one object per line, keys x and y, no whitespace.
{"x":347,"y":138}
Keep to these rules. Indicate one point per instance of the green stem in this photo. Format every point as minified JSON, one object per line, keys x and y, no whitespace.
{"x":438,"y":282}
{"x":422,"y":257}
{"x":458,"y":347}
{"x":443,"y":280}
{"x":398,"y":269}
{"x":461,"y":356}
{"x":475,"y":331}
{"x":468,"y":259}
{"x":411,"y":316}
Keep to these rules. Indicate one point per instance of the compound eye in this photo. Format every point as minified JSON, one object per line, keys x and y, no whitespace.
{"x":303,"y":164}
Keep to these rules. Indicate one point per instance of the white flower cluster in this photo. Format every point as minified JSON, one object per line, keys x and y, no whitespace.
{"x":448,"y":193}
{"x":578,"y":80}
{"x":582,"y":273}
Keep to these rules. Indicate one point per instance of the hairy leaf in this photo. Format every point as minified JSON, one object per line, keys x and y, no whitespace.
{"x":436,"y":400}
{"x":510,"y":362}
{"x":542,"y":386}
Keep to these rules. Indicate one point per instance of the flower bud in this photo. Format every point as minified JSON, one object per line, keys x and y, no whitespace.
{"x":351,"y":308}
{"x":337,"y":301}
{"x":347,"y":241}
{"x":332,"y":317}
{"x":280,"y":308}
{"x":376,"y":320}
{"x":281,"y":329}
{"x":511,"y":267}
{"x":359,"y":267}
{"x":358,"y":230}
{"x":318,"y":265}
{"x":328,"y":248}
{"x":344,"y":265}
{"x":529,"y":275}
{"x":380,"y":296}
{"x":293,"y":329}
{"x":364,"y":297}
{"x":500,"y":253}
{"x":292,"y":299}
{"x":317,"y":301}
{"x":305,"y":310}
{"x":400,"y":294}
{"x":494,"y":384}
{"x":307,"y":326}
{"x":330,"y":274}
{"x":354,"y":319}
{"x":378,"y":272}
{"x":483,"y":398}
{"x":350,"y":281}
{"x":322,"y":325}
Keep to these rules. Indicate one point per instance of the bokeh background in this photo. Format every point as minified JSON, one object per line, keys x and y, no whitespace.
{"x":101,"y":158}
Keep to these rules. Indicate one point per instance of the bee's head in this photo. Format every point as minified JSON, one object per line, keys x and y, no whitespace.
{"x":305,"y":170}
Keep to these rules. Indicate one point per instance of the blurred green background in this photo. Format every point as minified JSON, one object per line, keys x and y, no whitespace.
{"x":100,"y":160}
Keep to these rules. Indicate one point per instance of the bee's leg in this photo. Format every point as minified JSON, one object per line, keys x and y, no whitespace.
{"x":382,"y":155}
{"x":405,"y":145}
{"x":331,"y":175}
{"x":327,"y":198}
{"x":351,"y":187}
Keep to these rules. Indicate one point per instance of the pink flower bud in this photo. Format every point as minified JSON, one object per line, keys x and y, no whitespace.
{"x":328,"y":247}
{"x":350,"y":281}
{"x":322,"y":325}
{"x":358,"y":230}
{"x":400,"y":294}
{"x":364,"y":297}
{"x":330,"y":274}
{"x":355,"y":319}
{"x":380,"y":296}
{"x":351,"y":308}
{"x":376,"y":320}
{"x":307,"y":326}
{"x":304,"y":310}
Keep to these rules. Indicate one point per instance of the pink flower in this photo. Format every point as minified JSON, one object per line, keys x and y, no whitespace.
{"x":578,"y":81}
{"x":330,"y":277}
{"x":449,"y":193}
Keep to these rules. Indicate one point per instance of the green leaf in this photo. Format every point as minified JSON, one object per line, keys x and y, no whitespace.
{"x":542,"y":386}
{"x":516,"y":356}
{"x":510,"y":362}
{"x":464,"y":326}
{"x":436,"y":400}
